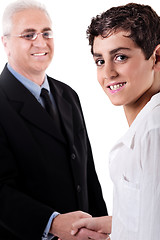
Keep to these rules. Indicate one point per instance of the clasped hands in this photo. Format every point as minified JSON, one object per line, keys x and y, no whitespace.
{"x":81,"y":226}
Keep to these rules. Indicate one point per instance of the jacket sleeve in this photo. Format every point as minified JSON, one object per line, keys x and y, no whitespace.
{"x":20,"y":214}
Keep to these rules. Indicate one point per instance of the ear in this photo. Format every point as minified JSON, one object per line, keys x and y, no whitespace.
{"x":5,"y":44}
{"x":3,"y":38}
{"x":157,"y":58}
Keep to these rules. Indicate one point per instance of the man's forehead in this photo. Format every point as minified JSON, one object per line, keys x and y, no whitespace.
{"x":31,"y":19}
{"x":29,"y":14}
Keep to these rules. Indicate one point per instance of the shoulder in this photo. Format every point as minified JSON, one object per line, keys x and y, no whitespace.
{"x":150,"y":127}
{"x":153,"y":119}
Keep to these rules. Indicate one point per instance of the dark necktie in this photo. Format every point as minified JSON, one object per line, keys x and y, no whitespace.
{"x":49,"y":106}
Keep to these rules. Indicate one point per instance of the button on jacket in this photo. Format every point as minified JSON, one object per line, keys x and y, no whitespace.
{"x":135,"y":172}
{"x":38,"y":173}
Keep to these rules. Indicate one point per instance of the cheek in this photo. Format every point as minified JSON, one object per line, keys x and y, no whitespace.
{"x":8,"y":52}
{"x":141,"y":75}
{"x":100,"y":78}
{"x":51,"y":45}
{"x":19,"y":50}
{"x":8,"y":49}
{"x":126,"y":70}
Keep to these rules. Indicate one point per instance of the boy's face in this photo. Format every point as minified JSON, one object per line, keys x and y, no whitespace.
{"x":122,"y":70}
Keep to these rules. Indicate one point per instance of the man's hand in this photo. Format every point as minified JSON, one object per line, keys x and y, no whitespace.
{"x":62,"y":226}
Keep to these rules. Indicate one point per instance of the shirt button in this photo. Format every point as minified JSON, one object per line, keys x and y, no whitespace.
{"x":78,"y":188}
{"x":73,"y":156}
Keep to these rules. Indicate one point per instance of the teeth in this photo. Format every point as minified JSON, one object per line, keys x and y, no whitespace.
{"x":117,"y":86}
{"x":39,"y":54}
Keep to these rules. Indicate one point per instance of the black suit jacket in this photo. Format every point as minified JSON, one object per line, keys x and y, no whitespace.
{"x":42,"y":170}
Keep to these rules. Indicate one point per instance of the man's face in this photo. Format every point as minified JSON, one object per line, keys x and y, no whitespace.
{"x":26,"y":56}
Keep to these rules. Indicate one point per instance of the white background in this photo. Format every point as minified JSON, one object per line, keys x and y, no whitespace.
{"x":73,"y":64}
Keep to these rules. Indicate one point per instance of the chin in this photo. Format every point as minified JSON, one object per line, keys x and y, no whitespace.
{"x":41,"y":67}
{"x":116,"y":103}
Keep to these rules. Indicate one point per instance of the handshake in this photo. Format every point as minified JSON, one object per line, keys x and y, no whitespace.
{"x":81,"y":226}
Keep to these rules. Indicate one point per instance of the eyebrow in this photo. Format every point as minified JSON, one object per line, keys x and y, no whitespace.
{"x":34,"y":30}
{"x":112,"y":51}
{"x":118,"y":49}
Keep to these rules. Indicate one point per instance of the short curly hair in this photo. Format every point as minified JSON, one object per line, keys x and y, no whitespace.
{"x":141,"y":21}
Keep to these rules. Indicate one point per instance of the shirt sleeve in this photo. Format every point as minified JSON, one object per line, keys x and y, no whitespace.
{"x":46,"y":234}
{"x":150,"y":189}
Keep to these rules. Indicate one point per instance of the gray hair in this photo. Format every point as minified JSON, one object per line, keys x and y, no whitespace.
{"x":18,"y":6}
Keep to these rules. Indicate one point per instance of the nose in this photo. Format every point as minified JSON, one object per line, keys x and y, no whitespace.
{"x":110,"y":72}
{"x":40,"y":41}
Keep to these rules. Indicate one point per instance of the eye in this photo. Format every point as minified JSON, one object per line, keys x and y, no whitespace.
{"x":121,"y":58}
{"x":48,"y":34}
{"x":99,"y":62}
{"x":28,"y":36}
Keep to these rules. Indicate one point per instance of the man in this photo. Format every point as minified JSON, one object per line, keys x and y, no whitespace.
{"x":46,"y":166}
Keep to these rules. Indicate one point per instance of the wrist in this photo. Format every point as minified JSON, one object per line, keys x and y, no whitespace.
{"x":55,"y":225}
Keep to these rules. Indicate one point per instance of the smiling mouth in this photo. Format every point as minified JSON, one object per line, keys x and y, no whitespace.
{"x":39,"y":54}
{"x":116,"y":86}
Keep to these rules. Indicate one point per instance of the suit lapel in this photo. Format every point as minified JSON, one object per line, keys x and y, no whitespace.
{"x":65,"y":110}
{"x":37,"y":115}
{"x":29,"y":107}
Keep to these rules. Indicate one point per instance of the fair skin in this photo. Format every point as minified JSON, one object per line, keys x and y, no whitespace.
{"x":31,"y":59}
{"x":100,"y":224}
{"x":125,"y":75}
{"x":64,"y":231}
{"x":129,"y":80}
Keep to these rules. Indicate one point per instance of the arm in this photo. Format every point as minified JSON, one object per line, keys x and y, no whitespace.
{"x":46,"y":234}
{"x":150,"y":217}
{"x":20,"y":214}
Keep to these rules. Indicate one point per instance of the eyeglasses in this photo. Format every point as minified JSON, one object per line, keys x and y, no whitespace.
{"x":31,"y":36}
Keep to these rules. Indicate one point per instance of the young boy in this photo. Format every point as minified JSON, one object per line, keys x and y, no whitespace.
{"x":125,"y":43}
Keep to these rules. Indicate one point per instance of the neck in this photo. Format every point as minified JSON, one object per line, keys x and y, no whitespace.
{"x":131,"y":110}
{"x":36,"y":77}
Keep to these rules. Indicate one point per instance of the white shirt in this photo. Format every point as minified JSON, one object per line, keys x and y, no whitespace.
{"x":135,"y":172}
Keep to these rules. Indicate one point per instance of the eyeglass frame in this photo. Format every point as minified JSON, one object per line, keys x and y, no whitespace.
{"x":35,"y":35}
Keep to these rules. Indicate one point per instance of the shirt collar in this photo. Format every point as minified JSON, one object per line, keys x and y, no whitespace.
{"x":128,"y":138}
{"x":34,"y":88}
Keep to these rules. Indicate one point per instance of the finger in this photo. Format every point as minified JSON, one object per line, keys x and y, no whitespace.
{"x":74,"y":231}
{"x":98,"y":236}
{"x":77,"y":225}
{"x":92,"y":234}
